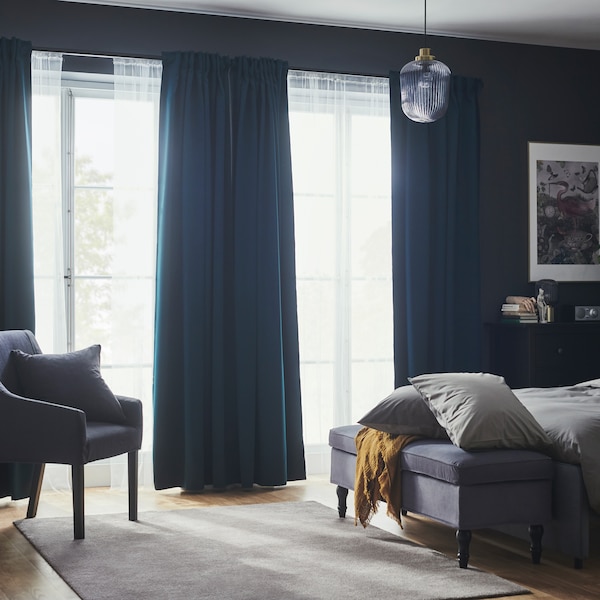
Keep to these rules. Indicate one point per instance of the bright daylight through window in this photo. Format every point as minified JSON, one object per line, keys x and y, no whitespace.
{"x":95,"y":148}
{"x":340,"y":139}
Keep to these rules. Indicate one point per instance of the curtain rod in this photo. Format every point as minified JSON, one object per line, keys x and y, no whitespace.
{"x":99,"y":55}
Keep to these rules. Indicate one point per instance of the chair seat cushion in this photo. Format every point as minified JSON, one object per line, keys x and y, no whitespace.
{"x":104,"y":440}
{"x":443,"y":460}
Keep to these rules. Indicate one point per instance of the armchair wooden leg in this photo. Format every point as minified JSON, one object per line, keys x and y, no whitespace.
{"x":78,"y":515}
{"x":36,"y":488}
{"x":132,"y":468}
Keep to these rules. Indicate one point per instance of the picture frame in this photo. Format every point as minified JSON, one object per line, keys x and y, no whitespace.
{"x":564,"y":212}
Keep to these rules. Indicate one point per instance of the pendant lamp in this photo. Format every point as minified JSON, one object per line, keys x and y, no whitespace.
{"x":425,"y":85}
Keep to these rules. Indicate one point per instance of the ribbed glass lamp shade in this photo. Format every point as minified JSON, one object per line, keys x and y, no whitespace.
{"x":425,"y":88}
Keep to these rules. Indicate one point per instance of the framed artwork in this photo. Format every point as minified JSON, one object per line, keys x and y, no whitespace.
{"x":563,"y":212}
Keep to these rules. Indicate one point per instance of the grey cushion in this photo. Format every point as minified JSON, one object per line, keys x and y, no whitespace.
{"x":342,"y":438}
{"x":443,"y":460}
{"x":72,"y":379}
{"x":404,"y":412}
{"x":478,"y":411}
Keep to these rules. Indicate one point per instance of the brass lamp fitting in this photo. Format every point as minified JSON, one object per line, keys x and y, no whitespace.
{"x":425,"y":54}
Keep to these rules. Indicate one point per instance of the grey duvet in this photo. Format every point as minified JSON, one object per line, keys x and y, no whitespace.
{"x":571,"y":418}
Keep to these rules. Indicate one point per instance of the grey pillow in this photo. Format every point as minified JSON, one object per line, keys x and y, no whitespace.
{"x":478,"y":410}
{"x":404,"y":412}
{"x":72,"y":379}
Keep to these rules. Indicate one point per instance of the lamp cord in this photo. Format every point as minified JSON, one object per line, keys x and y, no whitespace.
{"x":425,"y":23}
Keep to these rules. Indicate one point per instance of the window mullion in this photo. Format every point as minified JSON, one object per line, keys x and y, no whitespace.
{"x":68,"y":187}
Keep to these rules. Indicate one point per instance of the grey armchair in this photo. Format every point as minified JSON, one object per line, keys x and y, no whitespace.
{"x":38,"y":431}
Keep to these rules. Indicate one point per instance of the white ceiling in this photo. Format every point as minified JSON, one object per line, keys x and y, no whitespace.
{"x":567,"y":23}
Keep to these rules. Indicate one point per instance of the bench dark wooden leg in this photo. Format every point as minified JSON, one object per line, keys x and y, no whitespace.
{"x":463,"y":537}
{"x":132,"y":472}
{"x":36,"y":488}
{"x":342,"y":494}
{"x":578,"y":563}
{"x":78,"y":514}
{"x":535,"y":533}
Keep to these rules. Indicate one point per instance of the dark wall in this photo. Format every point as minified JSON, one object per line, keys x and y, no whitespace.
{"x":530,"y":93}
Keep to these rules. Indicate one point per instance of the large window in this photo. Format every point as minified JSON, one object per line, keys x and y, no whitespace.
{"x":340,"y":137}
{"x":95,"y":154}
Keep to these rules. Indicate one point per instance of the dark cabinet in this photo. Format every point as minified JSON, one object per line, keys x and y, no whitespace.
{"x":544,"y":355}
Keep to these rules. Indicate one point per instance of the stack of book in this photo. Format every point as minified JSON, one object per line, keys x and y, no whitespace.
{"x":517,"y":313}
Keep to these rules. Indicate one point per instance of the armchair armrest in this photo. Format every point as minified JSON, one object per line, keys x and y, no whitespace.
{"x":132,"y":407}
{"x":34,"y":431}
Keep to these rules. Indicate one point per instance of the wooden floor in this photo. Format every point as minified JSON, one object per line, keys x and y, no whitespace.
{"x":24,"y":575}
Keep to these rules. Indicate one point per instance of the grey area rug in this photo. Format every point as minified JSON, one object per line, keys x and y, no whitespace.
{"x":279,"y":551}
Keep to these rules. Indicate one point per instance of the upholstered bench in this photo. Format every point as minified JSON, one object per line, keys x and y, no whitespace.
{"x":465,"y":490}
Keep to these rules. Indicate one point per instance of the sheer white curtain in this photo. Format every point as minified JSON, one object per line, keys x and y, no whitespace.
{"x":50,"y":313}
{"x":50,"y":308}
{"x":127,"y":350}
{"x":340,"y":136}
{"x":136,"y":93}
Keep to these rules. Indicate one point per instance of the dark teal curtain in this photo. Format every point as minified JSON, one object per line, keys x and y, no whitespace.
{"x":227,"y":386}
{"x":435,"y":236}
{"x":16,"y":229}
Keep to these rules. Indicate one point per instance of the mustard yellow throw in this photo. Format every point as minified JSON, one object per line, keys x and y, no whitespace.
{"x":377,"y":473}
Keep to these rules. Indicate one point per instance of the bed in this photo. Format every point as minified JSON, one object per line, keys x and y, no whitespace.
{"x":570,"y":415}
{"x":478,"y":411}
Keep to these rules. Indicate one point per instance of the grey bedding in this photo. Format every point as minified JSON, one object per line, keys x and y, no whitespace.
{"x":571,"y":417}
